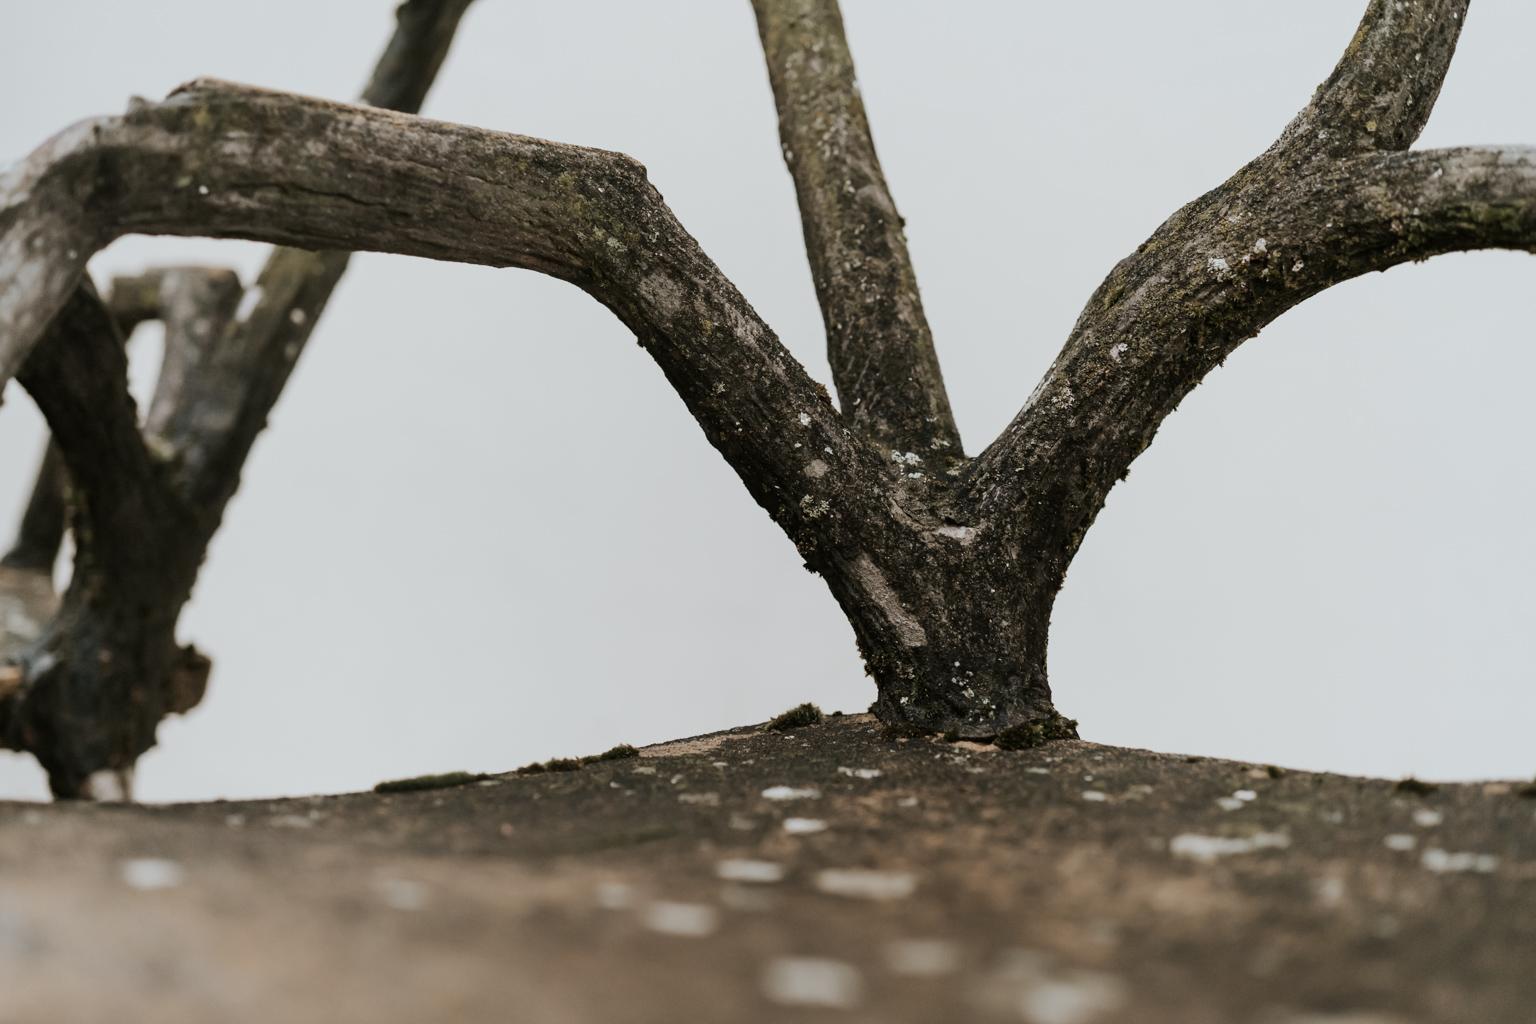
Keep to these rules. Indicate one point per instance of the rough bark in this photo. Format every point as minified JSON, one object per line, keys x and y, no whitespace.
{"x":111,"y":644}
{"x":946,"y":569}
{"x":85,"y":693}
{"x":878,"y":340}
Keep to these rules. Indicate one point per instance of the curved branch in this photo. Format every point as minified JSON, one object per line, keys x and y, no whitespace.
{"x":878,"y":340}
{"x":243,"y":163}
{"x":1218,"y":275}
{"x":1166,"y":314}
{"x":1382,"y":91}
{"x":87,"y":690}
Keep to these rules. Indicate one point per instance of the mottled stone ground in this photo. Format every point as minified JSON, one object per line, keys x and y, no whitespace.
{"x":821,"y":874}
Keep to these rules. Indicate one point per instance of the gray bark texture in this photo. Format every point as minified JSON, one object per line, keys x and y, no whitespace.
{"x":946,"y":567}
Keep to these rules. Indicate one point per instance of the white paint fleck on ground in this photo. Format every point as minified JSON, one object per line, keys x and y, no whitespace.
{"x":291,"y":821}
{"x":804,"y":826}
{"x":1426,"y":818}
{"x":791,"y":793}
{"x":1330,"y":891}
{"x":1028,"y":985}
{"x":866,"y":884}
{"x":401,"y":893}
{"x":1346,"y":1017}
{"x":812,"y":981}
{"x":1400,"y":842}
{"x":685,"y":920}
{"x":1095,"y":796}
{"x":922,"y":958}
{"x":1446,"y":862}
{"x":615,"y":896}
{"x":1209,"y":849}
{"x":861,"y":773}
{"x":150,"y":874}
{"x":1075,"y":998}
{"x":742,"y":870}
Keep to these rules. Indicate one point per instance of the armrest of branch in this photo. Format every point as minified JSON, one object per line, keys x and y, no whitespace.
{"x":228,"y":161}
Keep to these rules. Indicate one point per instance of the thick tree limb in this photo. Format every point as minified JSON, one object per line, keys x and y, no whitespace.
{"x":86,"y":693}
{"x":241,"y":163}
{"x":878,"y":340}
{"x":1214,"y":274}
{"x":1382,"y":91}
{"x":77,"y":374}
{"x":1213,"y":277}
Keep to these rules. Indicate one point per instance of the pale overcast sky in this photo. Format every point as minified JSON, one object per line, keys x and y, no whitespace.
{"x":481,"y":529}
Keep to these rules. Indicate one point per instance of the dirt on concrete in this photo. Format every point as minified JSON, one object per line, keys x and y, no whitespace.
{"x":826,"y":873}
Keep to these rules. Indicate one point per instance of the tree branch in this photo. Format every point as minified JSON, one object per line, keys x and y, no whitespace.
{"x":242,"y":163}
{"x":1216,"y":276}
{"x":1384,"y":87}
{"x":88,"y":691}
{"x":878,"y":340}
{"x":230,"y":391}
{"x":78,"y":375}
{"x":424,"y":31}
{"x":1213,"y":275}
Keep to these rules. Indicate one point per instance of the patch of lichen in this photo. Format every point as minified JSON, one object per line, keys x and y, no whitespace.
{"x":621,"y":752}
{"x":1028,"y":735}
{"x":554,"y":764}
{"x":445,"y":780}
{"x":796,"y":717}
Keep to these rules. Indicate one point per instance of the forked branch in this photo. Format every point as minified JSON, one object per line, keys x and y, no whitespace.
{"x":1335,"y":198}
{"x":240,"y":165}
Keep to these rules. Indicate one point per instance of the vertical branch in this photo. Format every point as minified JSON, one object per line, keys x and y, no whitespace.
{"x":878,"y":339}
{"x":227,"y":395}
{"x":41,"y":531}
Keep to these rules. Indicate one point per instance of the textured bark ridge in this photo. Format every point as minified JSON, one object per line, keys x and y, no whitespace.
{"x":946,"y":567}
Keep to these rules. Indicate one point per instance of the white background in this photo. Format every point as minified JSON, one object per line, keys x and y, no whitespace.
{"x":481,"y":530}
